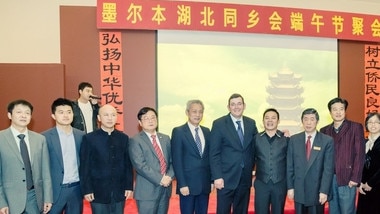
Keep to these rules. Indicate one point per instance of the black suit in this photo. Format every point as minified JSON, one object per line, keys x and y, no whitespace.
{"x":191,"y":169}
{"x":105,"y":168}
{"x":233,"y":162}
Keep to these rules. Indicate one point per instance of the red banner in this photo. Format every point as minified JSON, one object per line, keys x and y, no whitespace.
{"x":205,"y":16}
{"x":372,"y":76}
{"x":111,"y":72}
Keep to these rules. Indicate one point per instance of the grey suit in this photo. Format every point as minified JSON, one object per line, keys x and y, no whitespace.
{"x":309,"y":178}
{"x":148,"y":178}
{"x":13,"y":190}
{"x":57,"y":167}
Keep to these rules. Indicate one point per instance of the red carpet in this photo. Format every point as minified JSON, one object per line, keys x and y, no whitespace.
{"x":131,"y":208}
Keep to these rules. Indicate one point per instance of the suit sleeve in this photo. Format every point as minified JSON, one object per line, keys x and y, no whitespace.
{"x":85,"y":167}
{"x":177,"y":154}
{"x":328,"y":167}
{"x":359,"y":154}
{"x":215,"y":151}
{"x":47,"y":183}
{"x":128,"y":167}
{"x":170,"y":170}
{"x":290,"y":165}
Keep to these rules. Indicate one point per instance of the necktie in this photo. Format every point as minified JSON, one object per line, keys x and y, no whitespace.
{"x":198,"y":141}
{"x":308,"y":147}
{"x":159,"y":154}
{"x":240,"y":132}
{"x":25,"y":158}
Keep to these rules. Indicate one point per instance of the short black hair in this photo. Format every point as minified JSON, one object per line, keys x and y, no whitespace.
{"x":272,"y":109}
{"x":83,"y":85}
{"x":310,"y":111}
{"x":337,"y":100}
{"x":14,"y":103}
{"x":145,"y":110}
{"x":61,"y":102}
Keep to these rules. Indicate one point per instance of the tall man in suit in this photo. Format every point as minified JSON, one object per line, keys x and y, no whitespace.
{"x":271,"y":147}
{"x":105,"y":171}
{"x":232,"y":157}
{"x":191,"y":163}
{"x":349,"y":157}
{"x":150,"y":153}
{"x":310,"y":166}
{"x":64,"y":145}
{"x":25,"y":183}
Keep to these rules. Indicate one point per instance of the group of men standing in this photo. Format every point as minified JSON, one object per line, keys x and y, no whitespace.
{"x":75,"y":159}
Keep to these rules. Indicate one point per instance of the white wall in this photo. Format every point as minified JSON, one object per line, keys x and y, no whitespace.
{"x":30,"y":29}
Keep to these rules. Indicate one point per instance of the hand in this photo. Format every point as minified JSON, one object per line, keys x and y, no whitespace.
{"x":89,"y":197}
{"x":47,"y":207}
{"x":361,"y":190}
{"x":93,"y":101}
{"x":291,"y":194}
{"x":166,"y":181}
{"x":286,"y":132}
{"x":352,"y":184}
{"x":219,"y":183}
{"x":4,"y":210}
{"x":185,"y":191}
{"x":127,"y":194}
{"x":366,"y":187}
{"x":322,"y":198}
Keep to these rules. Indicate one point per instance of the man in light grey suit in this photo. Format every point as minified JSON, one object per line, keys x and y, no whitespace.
{"x":17,"y":193}
{"x":310,"y":166}
{"x":64,"y":144}
{"x":150,"y":154}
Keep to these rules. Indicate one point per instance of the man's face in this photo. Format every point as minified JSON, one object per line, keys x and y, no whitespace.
{"x":86,"y":93}
{"x":236,"y":107}
{"x":195,"y":114}
{"x":63,"y":115}
{"x":309,"y":122}
{"x":270,"y":121}
{"x":338,"y":112}
{"x":20,"y":116}
{"x":148,"y":122}
{"x":107,"y":117}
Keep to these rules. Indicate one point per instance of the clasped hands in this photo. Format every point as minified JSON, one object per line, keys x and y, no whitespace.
{"x":166,"y":181}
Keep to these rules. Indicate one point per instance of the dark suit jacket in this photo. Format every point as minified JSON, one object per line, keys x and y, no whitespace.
{"x":227,"y":154}
{"x":349,"y":151}
{"x":309,"y":178}
{"x":190,"y":168}
{"x":56,"y":161}
{"x":147,"y":166}
{"x":105,"y":166}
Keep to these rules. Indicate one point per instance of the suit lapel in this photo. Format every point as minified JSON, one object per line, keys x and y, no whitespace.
{"x":315,"y":149}
{"x":146,"y":139}
{"x":190,"y":138}
{"x":56,"y":145}
{"x":163,"y":143}
{"x":13,"y":145}
{"x":233,"y":132}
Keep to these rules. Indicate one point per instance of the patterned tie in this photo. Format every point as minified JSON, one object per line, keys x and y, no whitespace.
{"x":198,"y":141}
{"x":159,"y":154}
{"x":25,"y":158}
{"x":240,"y":132}
{"x":308,"y":147}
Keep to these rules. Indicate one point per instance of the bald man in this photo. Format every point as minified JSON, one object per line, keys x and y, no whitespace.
{"x":105,"y":168}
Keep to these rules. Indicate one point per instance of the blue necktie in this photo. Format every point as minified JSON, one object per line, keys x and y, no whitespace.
{"x":240,"y":132}
{"x":198,"y":141}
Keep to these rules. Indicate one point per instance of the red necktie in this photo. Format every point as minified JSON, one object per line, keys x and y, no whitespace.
{"x":308,"y":147}
{"x":159,"y":154}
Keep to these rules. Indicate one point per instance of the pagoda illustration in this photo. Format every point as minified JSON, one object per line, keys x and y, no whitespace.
{"x":284,"y":94}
